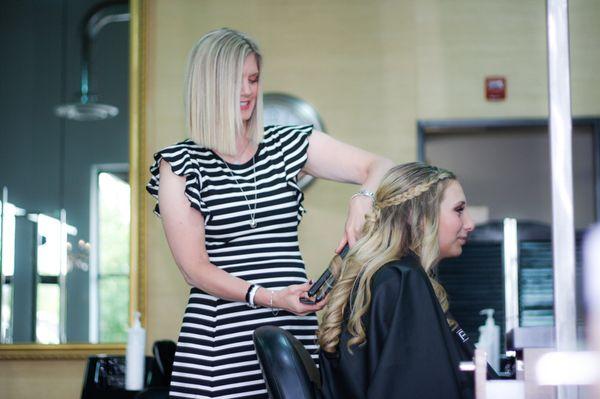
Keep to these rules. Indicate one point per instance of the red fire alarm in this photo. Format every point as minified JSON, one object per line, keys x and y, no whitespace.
{"x":495,"y":88}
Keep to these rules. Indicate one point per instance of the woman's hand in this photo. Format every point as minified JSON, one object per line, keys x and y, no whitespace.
{"x":358,"y":208}
{"x":289,"y":299}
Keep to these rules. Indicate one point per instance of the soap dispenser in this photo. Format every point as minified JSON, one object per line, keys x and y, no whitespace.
{"x":489,"y":339}
{"x":135,"y":359}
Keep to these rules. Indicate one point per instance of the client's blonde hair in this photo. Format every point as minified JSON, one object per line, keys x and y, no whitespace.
{"x":404,"y":218}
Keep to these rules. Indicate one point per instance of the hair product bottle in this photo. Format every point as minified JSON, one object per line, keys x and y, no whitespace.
{"x":135,"y":358}
{"x":489,"y":339}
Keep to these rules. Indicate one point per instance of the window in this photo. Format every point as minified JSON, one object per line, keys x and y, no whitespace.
{"x":7,"y":268}
{"x":109,"y":271}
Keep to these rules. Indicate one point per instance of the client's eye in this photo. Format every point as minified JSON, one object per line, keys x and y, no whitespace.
{"x":460,"y":209}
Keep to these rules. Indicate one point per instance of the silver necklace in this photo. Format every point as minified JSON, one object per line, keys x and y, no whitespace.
{"x":252,"y":211}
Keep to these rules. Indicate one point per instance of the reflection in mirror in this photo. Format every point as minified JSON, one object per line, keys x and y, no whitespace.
{"x":503,"y":166}
{"x":65,"y":236}
{"x":109,"y":260}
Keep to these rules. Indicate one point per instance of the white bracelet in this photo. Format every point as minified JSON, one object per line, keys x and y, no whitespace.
{"x":251,"y":296}
{"x":365,"y":193}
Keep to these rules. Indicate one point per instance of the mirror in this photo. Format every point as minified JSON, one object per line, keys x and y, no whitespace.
{"x":70,"y":179}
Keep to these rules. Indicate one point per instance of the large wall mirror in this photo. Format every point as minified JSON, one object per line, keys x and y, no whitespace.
{"x":70,"y":178}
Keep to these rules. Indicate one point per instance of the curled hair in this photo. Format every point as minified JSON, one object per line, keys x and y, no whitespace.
{"x":404,"y":219}
{"x":212,"y":90}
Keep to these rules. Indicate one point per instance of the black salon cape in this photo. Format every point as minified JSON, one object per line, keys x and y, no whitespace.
{"x":410,"y":352}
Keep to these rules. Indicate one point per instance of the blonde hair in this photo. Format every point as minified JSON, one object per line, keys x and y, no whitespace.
{"x":212,"y":90}
{"x":404,"y":219}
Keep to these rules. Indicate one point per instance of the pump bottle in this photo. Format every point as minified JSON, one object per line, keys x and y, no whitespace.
{"x":135,"y":358}
{"x":489,"y":339}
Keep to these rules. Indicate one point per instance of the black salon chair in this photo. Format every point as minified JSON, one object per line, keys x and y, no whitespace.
{"x":162,"y":368}
{"x":153,"y":393}
{"x":105,"y":378}
{"x":105,"y":375}
{"x":288,"y":369}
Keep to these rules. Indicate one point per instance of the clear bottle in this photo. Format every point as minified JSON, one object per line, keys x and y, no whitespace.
{"x":489,"y":339}
{"x":135,"y":358}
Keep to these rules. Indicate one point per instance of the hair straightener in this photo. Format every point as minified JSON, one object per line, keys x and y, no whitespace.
{"x":324,"y":284}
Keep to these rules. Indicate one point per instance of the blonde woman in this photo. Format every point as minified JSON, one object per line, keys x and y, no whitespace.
{"x":230,"y":208}
{"x":385,"y":332}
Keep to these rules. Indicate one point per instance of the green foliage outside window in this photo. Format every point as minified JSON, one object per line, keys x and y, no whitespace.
{"x":113,"y":273}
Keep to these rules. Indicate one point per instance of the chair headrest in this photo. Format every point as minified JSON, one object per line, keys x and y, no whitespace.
{"x":288,"y":368}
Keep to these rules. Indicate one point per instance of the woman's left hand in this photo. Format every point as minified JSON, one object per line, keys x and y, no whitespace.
{"x":289,"y":299}
{"x":358,"y":208}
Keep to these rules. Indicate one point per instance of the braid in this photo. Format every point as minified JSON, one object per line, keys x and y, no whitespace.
{"x":409,"y":194}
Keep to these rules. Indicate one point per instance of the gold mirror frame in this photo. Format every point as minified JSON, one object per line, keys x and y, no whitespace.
{"x":137,"y":144}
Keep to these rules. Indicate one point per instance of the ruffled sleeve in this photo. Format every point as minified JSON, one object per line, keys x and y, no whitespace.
{"x":293,"y":141}
{"x":183,"y":163}
{"x":294,"y":145}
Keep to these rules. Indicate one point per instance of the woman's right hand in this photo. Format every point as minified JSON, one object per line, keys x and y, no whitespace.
{"x":289,"y":299}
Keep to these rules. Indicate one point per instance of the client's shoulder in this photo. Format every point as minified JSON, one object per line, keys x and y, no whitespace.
{"x":392,"y":273}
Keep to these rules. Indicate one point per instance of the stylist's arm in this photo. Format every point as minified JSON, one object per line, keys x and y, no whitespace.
{"x":331,"y":159}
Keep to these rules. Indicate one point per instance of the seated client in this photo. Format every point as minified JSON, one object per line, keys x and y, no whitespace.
{"x":386,"y":331}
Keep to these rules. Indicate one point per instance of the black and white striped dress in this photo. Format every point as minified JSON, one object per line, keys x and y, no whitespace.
{"x":215,"y":355}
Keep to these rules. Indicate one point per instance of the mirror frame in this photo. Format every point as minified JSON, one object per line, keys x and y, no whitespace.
{"x":137,"y":177}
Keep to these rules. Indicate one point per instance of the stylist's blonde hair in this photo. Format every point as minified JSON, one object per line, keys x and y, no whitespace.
{"x":404,"y":219}
{"x":212,"y":90}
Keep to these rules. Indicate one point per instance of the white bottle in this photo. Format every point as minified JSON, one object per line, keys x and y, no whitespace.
{"x":135,"y":359}
{"x":489,"y":339}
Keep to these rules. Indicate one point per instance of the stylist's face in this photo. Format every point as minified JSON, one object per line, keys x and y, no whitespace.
{"x":455,"y":223}
{"x":249,"y":92}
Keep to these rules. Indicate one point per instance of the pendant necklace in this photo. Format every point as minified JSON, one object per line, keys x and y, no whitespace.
{"x":252,"y":211}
